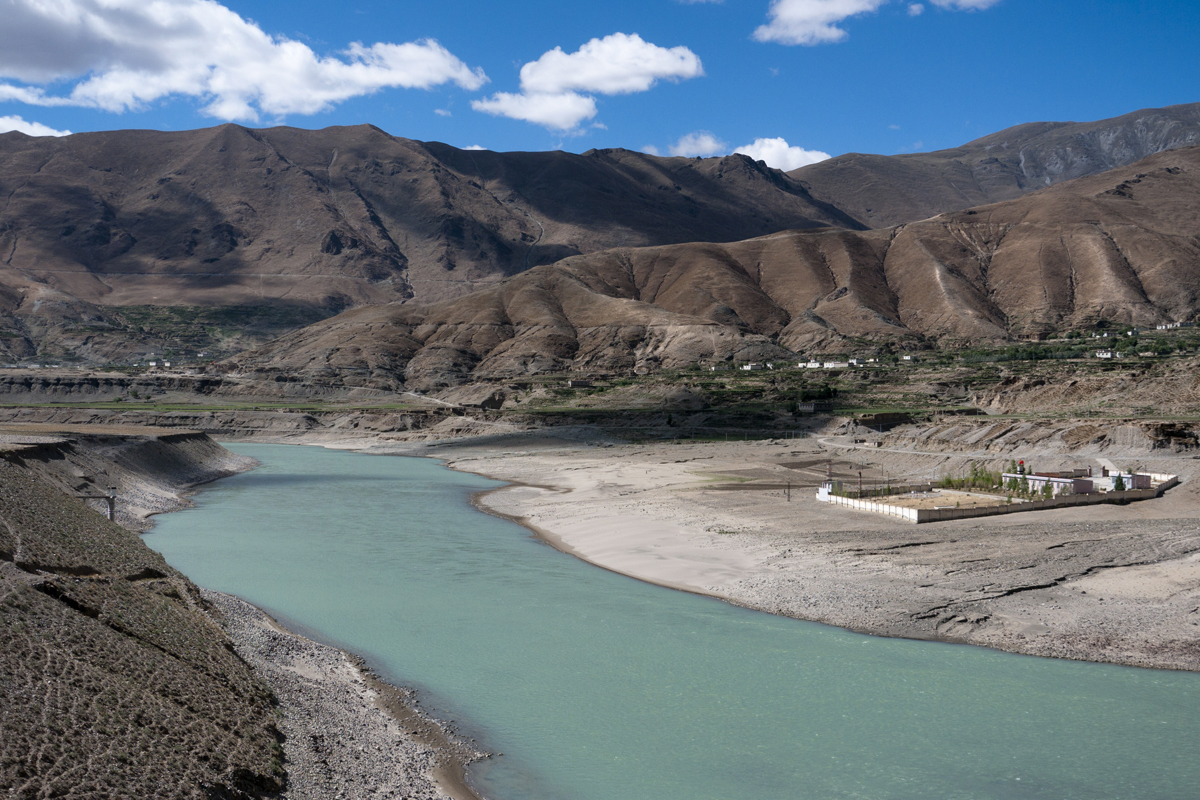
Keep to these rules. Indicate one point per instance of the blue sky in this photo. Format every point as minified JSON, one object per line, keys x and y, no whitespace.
{"x":791,"y":79}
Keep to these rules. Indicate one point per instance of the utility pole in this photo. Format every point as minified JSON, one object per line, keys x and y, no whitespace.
{"x":111,"y":498}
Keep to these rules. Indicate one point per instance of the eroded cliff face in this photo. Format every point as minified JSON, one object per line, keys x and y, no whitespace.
{"x":114,"y":682}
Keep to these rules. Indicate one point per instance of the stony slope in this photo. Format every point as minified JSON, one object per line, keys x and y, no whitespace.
{"x":1123,"y":247}
{"x":113,"y":682}
{"x":883,"y":191}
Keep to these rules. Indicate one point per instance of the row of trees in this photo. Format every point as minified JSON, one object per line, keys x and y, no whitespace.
{"x":1017,"y":485}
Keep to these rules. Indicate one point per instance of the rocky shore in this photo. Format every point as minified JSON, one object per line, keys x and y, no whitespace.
{"x":347,"y":734}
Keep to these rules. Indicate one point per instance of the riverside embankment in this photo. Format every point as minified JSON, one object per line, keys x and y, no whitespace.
{"x":120,"y":677}
{"x":1111,"y":583}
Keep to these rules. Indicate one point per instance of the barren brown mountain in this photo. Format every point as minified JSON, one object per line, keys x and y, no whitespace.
{"x":317,"y":221}
{"x":119,"y":245}
{"x":1123,"y":247}
{"x":889,"y":190}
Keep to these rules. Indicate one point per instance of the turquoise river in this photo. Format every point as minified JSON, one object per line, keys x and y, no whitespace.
{"x":600,"y":687}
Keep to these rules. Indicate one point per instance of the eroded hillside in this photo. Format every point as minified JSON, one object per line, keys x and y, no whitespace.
{"x":113,"y":682}
{"x":1120,"y":248}
{"x":100,"y":231}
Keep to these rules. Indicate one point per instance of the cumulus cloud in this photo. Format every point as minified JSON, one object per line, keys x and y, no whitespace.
{"x":779,"y":154}
{"x":816,"y":21}
{"x":699,"y":143}
{"x":32,"y":128}
{"x":560,"y":112}
{"x":475,"y":147}
{"x":557,"y":90}
{"x":131,"y":53}
{"x":811,"y":21}
{"x":650,"y":149}
{"x":617,"y":64}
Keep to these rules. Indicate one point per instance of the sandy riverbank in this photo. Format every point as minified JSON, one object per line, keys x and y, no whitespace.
{"x":1117,"y":584}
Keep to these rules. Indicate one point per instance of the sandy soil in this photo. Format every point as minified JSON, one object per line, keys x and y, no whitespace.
{"x":1102,"y":583}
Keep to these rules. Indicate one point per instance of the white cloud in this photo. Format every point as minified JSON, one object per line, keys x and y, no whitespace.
{"x":617,"y":64}
{"x":443,"y":112}
{"x":32,"y":128}
{"x":699,"y":143}
{"x":811,"y":21}
{"x":965,"y":5}
{"x":557,"y":89}
{"x":779,"y":154}
{"x":560,"y":112}
{"x":816,"y":21}
{"x":131,"y":53}
{"x":650,"y":149}
{"x":475,"y":147}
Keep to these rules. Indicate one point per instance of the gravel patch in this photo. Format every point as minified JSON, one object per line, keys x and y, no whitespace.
{"x":347,"y":734}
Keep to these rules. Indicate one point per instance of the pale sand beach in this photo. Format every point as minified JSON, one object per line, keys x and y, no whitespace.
{"x":1108,"y":583}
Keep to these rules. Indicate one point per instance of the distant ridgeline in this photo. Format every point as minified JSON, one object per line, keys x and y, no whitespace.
{"x":123,"y":246}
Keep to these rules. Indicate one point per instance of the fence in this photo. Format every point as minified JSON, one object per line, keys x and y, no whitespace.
{"x":919,"y":515}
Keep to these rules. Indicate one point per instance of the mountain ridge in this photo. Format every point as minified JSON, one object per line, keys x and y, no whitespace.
{"x":883,"y":191}
{"x":1122,"y":247}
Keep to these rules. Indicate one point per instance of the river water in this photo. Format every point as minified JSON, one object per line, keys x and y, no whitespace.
{"x":600,"y":687}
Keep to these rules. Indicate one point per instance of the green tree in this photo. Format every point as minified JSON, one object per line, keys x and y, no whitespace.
{"x":1119,"y":484}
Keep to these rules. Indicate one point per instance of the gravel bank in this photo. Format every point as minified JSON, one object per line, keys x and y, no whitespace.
{"x":348,"y":734}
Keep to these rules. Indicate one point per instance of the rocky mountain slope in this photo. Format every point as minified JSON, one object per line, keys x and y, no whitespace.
{"x":113,"y":682}
{"x":1121,"y":247}
{"x":118,"y":245}
{"x":305,"y":222}
{"x":883,"y":191}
